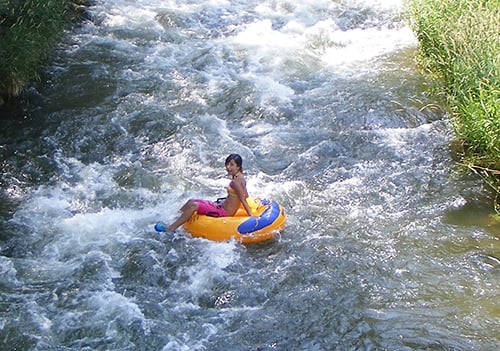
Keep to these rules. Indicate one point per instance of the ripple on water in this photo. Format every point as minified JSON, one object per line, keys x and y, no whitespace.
{"x":385,"y":245}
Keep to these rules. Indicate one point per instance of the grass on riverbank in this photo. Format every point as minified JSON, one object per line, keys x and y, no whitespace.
{"x":459,"y":45}
{"x":28,"y":31}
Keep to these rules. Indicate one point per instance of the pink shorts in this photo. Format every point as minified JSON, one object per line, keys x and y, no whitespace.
{"x":209,"y":208}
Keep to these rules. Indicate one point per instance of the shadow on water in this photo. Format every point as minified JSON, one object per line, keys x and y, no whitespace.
{"x":475,"y":214}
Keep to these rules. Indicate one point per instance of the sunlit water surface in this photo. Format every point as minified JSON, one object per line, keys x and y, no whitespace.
{"x":388,"y":245}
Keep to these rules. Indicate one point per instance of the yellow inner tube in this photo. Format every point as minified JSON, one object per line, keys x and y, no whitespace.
{"x":267,"y":221}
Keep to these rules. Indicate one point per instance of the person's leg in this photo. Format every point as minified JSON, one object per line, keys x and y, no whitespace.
{"x":187,"y":211}
{"x":210,"y":208}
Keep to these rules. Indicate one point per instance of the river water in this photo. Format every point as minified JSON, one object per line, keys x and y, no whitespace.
{"x":388,"y":244}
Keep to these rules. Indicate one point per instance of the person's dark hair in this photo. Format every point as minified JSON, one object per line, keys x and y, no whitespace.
{"x":237,"y":159}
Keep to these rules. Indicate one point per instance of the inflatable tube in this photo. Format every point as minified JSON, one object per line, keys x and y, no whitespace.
{"x":268,"y":220}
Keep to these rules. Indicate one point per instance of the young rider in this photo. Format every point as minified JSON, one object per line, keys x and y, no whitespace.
{"x":236,"y":194}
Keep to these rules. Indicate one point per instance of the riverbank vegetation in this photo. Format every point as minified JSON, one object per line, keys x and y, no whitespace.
{"x":29,"y":29}
{"x":459,"y":47}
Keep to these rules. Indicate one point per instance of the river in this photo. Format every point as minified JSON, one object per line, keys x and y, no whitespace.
{"x":389,"y":245}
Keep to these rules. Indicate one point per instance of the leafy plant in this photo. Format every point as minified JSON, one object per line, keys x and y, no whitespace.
{"x":459,"y":46}
{"x":28,"y":30}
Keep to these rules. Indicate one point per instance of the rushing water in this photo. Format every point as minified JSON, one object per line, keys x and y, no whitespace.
{"x":388,"y":246}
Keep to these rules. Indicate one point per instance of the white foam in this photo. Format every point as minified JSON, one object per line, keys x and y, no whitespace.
{"x":115,"y":309}
{"x":129,"y":17}
{"x":363,"y":45}
{"x":214,"y":259}
{"x":8,"y":272}
{"x":400,"y":138}
{"x":304,"y":41}
{"x":271,"y":91}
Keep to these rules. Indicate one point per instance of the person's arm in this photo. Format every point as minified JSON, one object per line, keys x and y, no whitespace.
{"x":239,"y":187}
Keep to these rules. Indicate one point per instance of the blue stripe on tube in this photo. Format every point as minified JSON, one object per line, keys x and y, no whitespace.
{"x":256,"y":223}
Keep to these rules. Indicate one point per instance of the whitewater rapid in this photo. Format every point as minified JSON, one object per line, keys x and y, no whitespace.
{"x":136,"y":114}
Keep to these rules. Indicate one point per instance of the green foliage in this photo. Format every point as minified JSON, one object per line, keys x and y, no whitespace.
{"x":459,"y":46}
{"x":28,"y":30}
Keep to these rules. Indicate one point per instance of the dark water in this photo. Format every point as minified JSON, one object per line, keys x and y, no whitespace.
{"x":388,"y":245}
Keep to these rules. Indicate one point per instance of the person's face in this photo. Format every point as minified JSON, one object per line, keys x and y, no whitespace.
{"x":232,"y":168}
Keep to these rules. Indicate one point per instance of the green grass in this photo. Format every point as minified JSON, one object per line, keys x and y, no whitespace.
{"x":28,"y":31}
{"x":459,"y":47}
